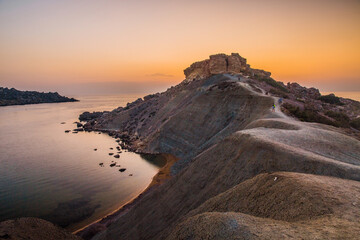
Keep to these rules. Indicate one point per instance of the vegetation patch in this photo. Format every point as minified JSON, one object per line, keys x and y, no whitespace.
{"x":273,"y":83}
{"x":308,"y":115}
{"x":342,"y":119}
{"x":278,"y":92}
{"x":331,"y":98}
{"x":355,"y":123}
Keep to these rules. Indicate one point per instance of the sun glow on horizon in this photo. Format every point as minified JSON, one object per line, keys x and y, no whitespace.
{"x":58,"y":43}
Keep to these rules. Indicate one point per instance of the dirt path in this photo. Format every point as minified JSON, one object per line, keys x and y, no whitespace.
{"x":242,"y":82}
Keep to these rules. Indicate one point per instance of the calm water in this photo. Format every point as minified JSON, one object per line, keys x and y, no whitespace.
{"x":45,"y":172}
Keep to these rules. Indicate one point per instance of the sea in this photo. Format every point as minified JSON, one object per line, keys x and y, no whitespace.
{"x":47,"y":173}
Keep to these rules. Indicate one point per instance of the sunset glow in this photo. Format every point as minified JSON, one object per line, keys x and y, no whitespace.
{"x":54,"y":45}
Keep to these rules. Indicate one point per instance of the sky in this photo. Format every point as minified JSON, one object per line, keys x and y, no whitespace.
{"x":142,"y":46}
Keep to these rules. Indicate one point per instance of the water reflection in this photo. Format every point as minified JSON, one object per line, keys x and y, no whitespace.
{"x":48,"y":173}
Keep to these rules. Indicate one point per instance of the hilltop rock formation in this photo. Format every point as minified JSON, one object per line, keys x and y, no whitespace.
{"x":244,"y":171}
{"x":16,"y":97}
{"x":219,"y":64}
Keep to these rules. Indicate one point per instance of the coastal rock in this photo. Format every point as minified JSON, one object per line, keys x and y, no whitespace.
{"x":79,"y":125}
{"x":87,"y":116}
{"x":117,"y":156}
{"x":78,"y":130}
{"x":122,"y":169}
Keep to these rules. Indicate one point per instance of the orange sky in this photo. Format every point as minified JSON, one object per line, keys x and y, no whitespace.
{"x":56,"y":45}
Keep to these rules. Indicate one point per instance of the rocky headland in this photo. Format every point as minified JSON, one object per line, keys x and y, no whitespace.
{"x":11,"y":96}
{"x":244,"y":170}
{"x":241,"y":164}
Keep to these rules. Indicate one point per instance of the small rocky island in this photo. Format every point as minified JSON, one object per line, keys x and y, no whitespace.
{"x":12,"y":96}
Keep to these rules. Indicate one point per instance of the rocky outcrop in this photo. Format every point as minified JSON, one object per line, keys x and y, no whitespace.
{"x":87,"y":116}
{"x":222,"y":63}
{"x":301,"y":92}
{"x":16,"y":97}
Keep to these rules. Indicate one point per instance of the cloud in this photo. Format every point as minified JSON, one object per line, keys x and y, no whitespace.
{"x":162,"y":75}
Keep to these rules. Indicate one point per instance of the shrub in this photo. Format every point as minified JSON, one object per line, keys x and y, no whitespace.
{"x":278,"y":92}
{"x":273,"y":83}
{"x":331,"y":98}
{"x":355,"y":123}
{"x":308,"y":115}
{"x":342,"y":119}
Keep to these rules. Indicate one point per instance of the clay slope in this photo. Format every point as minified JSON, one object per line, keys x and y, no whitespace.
{"x":188,"y":118}
{"x":277,"y":206}
{"x":266,"y":145}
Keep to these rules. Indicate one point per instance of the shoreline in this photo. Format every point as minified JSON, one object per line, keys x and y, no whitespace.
{"x":90,"y":230}
{"x":111,"y":213}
